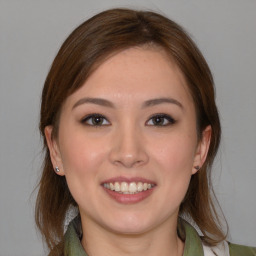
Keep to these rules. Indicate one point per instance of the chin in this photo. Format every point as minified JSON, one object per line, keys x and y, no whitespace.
{"x":129,"y":225}
{"x":129,"y":230}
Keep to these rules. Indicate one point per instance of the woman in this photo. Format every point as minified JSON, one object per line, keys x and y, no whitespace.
{"x":130,"y":129}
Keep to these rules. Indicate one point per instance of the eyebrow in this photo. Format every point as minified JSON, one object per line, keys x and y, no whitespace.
{"x":97,"y":101}
{"x":106,"y":103}
{"x":158,"y":101}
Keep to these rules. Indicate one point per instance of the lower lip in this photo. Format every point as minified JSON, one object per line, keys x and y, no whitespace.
{"x":129,"y":198}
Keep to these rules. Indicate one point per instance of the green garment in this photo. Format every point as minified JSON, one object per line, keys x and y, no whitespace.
{"x":193,"y":243}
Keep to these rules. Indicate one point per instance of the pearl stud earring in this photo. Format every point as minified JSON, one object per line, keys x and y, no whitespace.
{"x":57,"y":169}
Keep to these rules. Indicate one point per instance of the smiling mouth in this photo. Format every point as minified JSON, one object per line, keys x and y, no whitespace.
{"x":129,"y":188}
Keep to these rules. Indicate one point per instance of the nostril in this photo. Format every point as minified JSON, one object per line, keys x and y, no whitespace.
{"x":128,"y":150}
{"x":129,"y":162}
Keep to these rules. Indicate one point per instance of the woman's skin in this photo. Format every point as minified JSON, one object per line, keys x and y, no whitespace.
{"x":144,"y":130}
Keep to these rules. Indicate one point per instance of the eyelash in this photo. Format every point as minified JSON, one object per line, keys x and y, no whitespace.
{"x":91,"y":116}
{"x":88,"y":120}
{"x":170,"y":120}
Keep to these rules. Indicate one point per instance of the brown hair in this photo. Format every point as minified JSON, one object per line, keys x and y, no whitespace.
{"x":89,"y":45}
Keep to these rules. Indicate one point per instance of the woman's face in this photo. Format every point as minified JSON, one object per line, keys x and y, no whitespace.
{"x":127,"y":142}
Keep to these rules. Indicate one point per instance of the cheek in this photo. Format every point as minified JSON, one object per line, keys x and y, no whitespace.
{"x":175,"y":153}
{"x":82,"y":162}
{"x":175,"y":161}
{"x":82,"y":159}
{"x":79,"y":152}
{"x":177,"y":164}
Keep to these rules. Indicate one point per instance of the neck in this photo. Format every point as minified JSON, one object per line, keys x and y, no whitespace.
{"x":163,"y":241}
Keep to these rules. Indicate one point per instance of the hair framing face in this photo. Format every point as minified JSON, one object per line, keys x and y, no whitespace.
{"x":83,"y":51}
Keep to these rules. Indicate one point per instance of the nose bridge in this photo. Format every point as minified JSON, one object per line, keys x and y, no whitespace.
{"x":128,"y":147}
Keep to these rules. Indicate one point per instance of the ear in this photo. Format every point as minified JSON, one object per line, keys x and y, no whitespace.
{"x":54,"y":150}
{"x":202,"y":149}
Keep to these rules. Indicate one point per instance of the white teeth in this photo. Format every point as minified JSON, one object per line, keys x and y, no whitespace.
{"x":140,"y":186}
{"x":112,"y":187}
{"x":106,"y":185}
{"x":132,"y":187}
{"x":117,"y":187}
{"x":124,"y":187}
{"x":128,"y":188}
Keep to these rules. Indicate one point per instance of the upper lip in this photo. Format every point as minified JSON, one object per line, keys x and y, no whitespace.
{"x":128,"y":180}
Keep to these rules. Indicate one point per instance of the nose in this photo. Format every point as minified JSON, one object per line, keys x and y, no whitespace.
{"x":128,"y":148}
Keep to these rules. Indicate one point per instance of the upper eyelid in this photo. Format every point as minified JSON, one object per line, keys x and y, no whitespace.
{"x":93,"y":115}
{"x":161,"y":115}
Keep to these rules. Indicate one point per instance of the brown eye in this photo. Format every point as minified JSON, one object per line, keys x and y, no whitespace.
{"x":161,"y":120}
{"x":95,"y":120}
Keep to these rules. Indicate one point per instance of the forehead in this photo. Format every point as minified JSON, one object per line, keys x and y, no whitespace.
{"x":136,"y":74}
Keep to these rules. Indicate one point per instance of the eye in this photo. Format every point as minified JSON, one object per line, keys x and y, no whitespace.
{"x":95,"y":120}
{"x":160,"y":120}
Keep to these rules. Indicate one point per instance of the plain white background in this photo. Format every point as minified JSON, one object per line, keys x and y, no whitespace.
{"x":32,"y":31}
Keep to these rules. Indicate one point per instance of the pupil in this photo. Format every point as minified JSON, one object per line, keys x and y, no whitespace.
{"x":158,"y":120}
{"x":97,"y":120}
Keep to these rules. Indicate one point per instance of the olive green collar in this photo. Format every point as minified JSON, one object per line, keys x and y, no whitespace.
{"x":72,"y":244}
{"x":193,"y":243}
{"x":73,"y":247}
